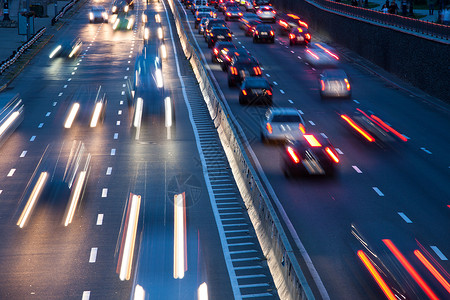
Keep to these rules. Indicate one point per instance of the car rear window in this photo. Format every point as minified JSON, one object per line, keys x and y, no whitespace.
{"x":222,"y":31}
{"x":253,"y":84}
{"x":286,"y":119}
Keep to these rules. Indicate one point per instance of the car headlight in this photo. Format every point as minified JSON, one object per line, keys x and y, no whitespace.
{"x":105,"y":15}
{"x":146,"y":33}
{"x":125,"y":9}
{"x":91,"y":16}
{"x":114,"y":9}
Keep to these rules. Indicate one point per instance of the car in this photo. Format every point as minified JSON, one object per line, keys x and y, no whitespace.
{"x":226,"y":56}
{"x":218,"y":48}
{"x":205,"y":9}
{"x":311,"y":154}
{"x":227,"y":5}
{"x":263,"y":32}
{"x":11,"y":114}
{"x":281,"y":124}
{"x":266,"y":13}
{"x":188,"y":3}
{"x":242,"y":67}
{"x":213,"y":23}
{"x":233,"y":13}
{"x":120,"y":6}
{"x":248,"y":5}
{"x":197,"y":3}
{"x":213,"y":3}
{"x":255,"y":90}
{"x":199,"y":17}
{"x":67,"y":47}
{"x":98,"y":14}
{"x":299,"y":35}
{"x":247,"y":17}
{"x":201,"y":25}
{"x":218,"y":34}
{"x":123,"y":22}
{"x":334,"y":83}
{"x":321,"y":56}
{"x":250,"y":27}
{"x":258,"y":3}
{"x":288,"y":22}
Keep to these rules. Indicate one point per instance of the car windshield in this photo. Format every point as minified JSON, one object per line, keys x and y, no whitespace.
{"x":264,"y":27}
{"x":286,"y":119}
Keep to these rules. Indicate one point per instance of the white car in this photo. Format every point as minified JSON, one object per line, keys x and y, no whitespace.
{"x":267,"y":13}
{"x":248,"y":5}
{"x":98,"y":14}
{"x":321,"y":55}
{"x":282,"y":124}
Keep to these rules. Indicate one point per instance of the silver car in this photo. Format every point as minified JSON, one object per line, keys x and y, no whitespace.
{"x":266,"y":13}
{"x":321,"y":55}
{"x":282,"y":124}
{"x":334,"y":83}
{"x":98,"y":14}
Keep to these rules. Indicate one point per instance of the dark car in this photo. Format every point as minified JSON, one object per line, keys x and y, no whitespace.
{"x":213,"y":23}
{"x":233,"y":13}
{"x":288,"y":22}
{"x":263,"y":32}
{"x":299,"y":35}
{"x":226,"y":57}
{"x":68,"y":48}
{"x":255,"y":90}
{"x":309,"y":155}
{"x":250,"y":27}
{"x":199,"y":18}
{"x":218,"y":34}
{"x":220,"y":47}
{"x":241,"y":68}
{"x":258,"y":3}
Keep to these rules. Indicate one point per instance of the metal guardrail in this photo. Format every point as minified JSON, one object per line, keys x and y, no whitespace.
{"x":422,"y":27}
{"x":289,"y":278}
{"x":63,"y":11}
{"x":22,"y":49}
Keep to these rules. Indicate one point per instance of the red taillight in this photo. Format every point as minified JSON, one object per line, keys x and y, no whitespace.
{"x":332,"y":155}
{"x":271,"y":32}
{"x":269,"y":92}
{"x":302,"y":128}
{"x":347,"y":83}
{"x":274,"y":11}
{"x":229,"y":34}
{"x":228,"y":14}
{"x":256,"y":31}
{"x":283,"y":23}
{"x":227,"y":58}
{"x":198,"y":19}
{"x":240,"y":14}
{"x":432,"y":270}
{"x":269,"y":127}
{"x":293,"y":155}
{"x":258,"y":12}
{"x":291,"y":36}
{"x":244,"y":92}
{"x":216,"y":51}
{"x":308,"y":36}
{"x":303,"y":24}
{"x":312,"y":141}
{"x":322,"y":85}
{"x":358,"y":128}
{"x":257,"y":70}
{"x":299,"y":30}
{"x":233,"y":70}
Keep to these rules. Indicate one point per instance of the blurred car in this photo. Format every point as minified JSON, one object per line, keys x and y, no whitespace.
{"x":199,"y":17}
{"x":227,"y":5}
{"x":206,"y":9}
{"x":266,"y":13}
{"x":213,"y":23}
{"x":233,"y":13}
{"x":220,"y":47}
{"x":213,"y":3}
{"x":250,"y":27}
{"x":258,"y":3}
{"x":280,"y":124}
{"x":11,"y":114}
{"x":288,"y":22}
{"x":202,"y":25}
{"x":320,"y":55}
{"x":371,"y":128}
{"x":334,"y":83}
{"x":67,"y":47}
{"x":242,"y":67}
{"x":226,"y":56}
{"x":188,"y":3}
{"x":98,"y":14}
{"x":299,"y":35}
{"x":123,"y":22}
{"x":263,"y":32}
{"x":218,"y":34}
{"x":120,"y":6}
{"x":255,"y":90}
{"x":248,"y":5}
{"x":198,"y":3}
{"x":246,"y":17}
{"x":309,"y":155}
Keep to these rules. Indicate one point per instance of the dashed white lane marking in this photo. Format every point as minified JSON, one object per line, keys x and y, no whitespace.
{"x":290,"y":101}
{"x":125,"y":77}
{"x":286,"y":47}
{"x":129,"y":61}
{"x":116,"y":136}
{"x":11,"y":172}
{"x":268,"y":75}
{"x":313,"y":69}
{"x":1,"y":191}
{"x":312,"y":123}
{"x":324,"y":135}
{"x":113,"y":151}
{"x":24,"y":152}
{"x":119,"y":112}
{"x":41,"y":125}
{"x":124,"y":85}
{"x":425,"y":150}
{"x":439,"y":253}
{"x":93,"y":255}
{"x":123,"y":93}
{"x":299,"y":57}
{"x":356,"y":101}
{"x":60,"y":94}
{"x":275,"y":83}
{"x":32,"y":138}
{"x":118,"y":123}
{"x":99,"y":219}
{"x":129,"y":55}
{"x":121,"y":102}
{"x":109,"y":171}
{"x":131,"y":51}
{"x":281,"y":91}
{"x":292,"y":52}
{"x":47,"y":114}
{"x":404,"y":217}
{"x":86,"y":295}
{"x":75,"y":68}
{"x":65,"y":86}
{"x":70,"y":79}
{"x":357,"y":169}
{"x":73,"y":73}
{"x":243,"y":47}
{"x":377,"y":190}
{"x":338,"y":150}
{"x":239,"y":43}
{"x":104,"y":192}
{"x":54,"y":103}
{"x":300,"y":111}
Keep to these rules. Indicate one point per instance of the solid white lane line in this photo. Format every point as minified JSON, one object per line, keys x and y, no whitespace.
{"x":86,"y":295}
{"x":32,"y":138}
{"x":404,"y":217}
{"x":357,"y":169}
{"x":104,"y":192}
{"x":427,"y":151}
{"x":281,"y":91}
{"x":93,"y":255}
{"x":312,"y":123}
{"x":324,"y":135}
{"x":47,"y":114}
{"x":109,"y":171}
{"x":116,"y":136}
{"x":40,"y":125}
{"x":118,"y":123}
{"x":377,"y":190}
{"x":11,"y":172}
{"x":99,"y":219}
{"x":439,"y":253}
{"x":338,"y":151}
{"x":24,"y":152}
{"x":113,"y":151}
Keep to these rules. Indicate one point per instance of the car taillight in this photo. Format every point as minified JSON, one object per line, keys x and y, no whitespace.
{"x":269,"y":92}
{"x":283,"y":23}
{"x":332,"y":155}
{"x":293,"y":155}
{"x":233,"y":70}
{"x":347,"y":83}
{"x":291,"y":36}
{"x":227,"y":58}
{"x":308,"y":36}
{"x":198,"y":19}
{"x":228,"y":14}
{"x":216,"y":51}
{"x":271,"y":32}
{"x":244,"y":92}
{"x":257,"y":70}
{"x":300,"y":30}
{"x":303,"y":24}
{"x":240,"y":14}
{"x":302,"y":128}
{"x":229,"y":34}
{"x":258,"y":12}
{"x":274,"y":11}
{"x":269,"y":128}
{"x":322,"y":85}
{"x":312,"y":141}
{"x":256,"y":31}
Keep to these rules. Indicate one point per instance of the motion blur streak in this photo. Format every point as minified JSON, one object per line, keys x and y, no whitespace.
{"x":159,"y":78}
{"x":163,"y":51}
{"x":130,"y":238}
{"x":332,"y":155}
{"x":75,"y":197}
{"x":328,"y":51}
{"x":160,"y":33}
{"x":432,"y":270}
{"x":168,"y":111}
{"x":293,"y":155}
{"x":386,"y":290}
{"x":146,"y":33}
{"x":138,"y":113}
{"x":72,"y":115}
{"x":389,"y":128}
{"x":96,"y":114}
{"x":314,"y":55}
{"x":55,"y":51}
{"x":157,"y":18}
{"x":202,"y":292}
{"x":8,"y":122}
{"x":74,"y":50}
{"x":139,"y":293}
{"x":33,"y":199}
{"x":357,"y":128}
{"x":410,"y":269}
{"x":179,"y":248}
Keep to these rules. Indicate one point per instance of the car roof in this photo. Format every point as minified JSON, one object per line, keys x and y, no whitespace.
{"x":284,"y":111}
{"x":253,"y":80}
{"x":334,"y":73}
{"x":263,"y":25}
